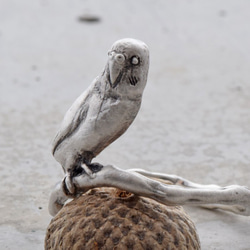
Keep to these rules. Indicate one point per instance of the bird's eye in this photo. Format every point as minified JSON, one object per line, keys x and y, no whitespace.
{"x":120,"y":58}
{"x":135,"y":60}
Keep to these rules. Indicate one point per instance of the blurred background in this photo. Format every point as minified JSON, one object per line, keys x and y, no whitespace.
{"x":194,"y":120}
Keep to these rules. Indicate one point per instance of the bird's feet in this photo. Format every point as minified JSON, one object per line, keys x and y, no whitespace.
{"x":91,"y":169}
{"x":87,"y":169}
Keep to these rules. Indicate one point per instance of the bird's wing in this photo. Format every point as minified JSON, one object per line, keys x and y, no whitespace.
{"x":74,"y":117}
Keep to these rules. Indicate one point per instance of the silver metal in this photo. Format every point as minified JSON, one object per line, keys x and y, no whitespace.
{"x":105,"y":110}
{"x":103,"y":113}
{"x":235,"y":198}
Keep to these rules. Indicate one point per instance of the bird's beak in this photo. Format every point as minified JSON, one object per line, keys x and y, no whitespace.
{"x":116,"y":69}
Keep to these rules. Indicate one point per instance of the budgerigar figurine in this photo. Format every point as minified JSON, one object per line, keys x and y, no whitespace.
{"x":104,"y":111}
{"x":102,"y":114}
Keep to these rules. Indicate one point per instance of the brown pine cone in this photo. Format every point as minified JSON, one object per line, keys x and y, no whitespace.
{"x":113,"y":219}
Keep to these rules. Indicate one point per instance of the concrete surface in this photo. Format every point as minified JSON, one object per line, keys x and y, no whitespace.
{"x":194,"y":120}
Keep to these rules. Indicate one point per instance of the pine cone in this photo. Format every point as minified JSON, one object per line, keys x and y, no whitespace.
{"x":113,"y":219}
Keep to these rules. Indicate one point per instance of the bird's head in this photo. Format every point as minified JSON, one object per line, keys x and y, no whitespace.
{"x":127,"y":67}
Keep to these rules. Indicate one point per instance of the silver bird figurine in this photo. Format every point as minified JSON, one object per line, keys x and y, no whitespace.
{"x":104,"y":111}
{"x":102,"y":114}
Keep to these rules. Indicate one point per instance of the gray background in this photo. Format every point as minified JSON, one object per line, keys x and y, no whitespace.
{"x":194,"y":119}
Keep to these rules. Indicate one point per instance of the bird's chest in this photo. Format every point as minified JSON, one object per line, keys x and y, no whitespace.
{"x":114,"y":113}
{"x":106,"y":120}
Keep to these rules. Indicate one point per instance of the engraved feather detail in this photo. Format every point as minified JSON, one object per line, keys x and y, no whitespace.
{"x":133,"y":80}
